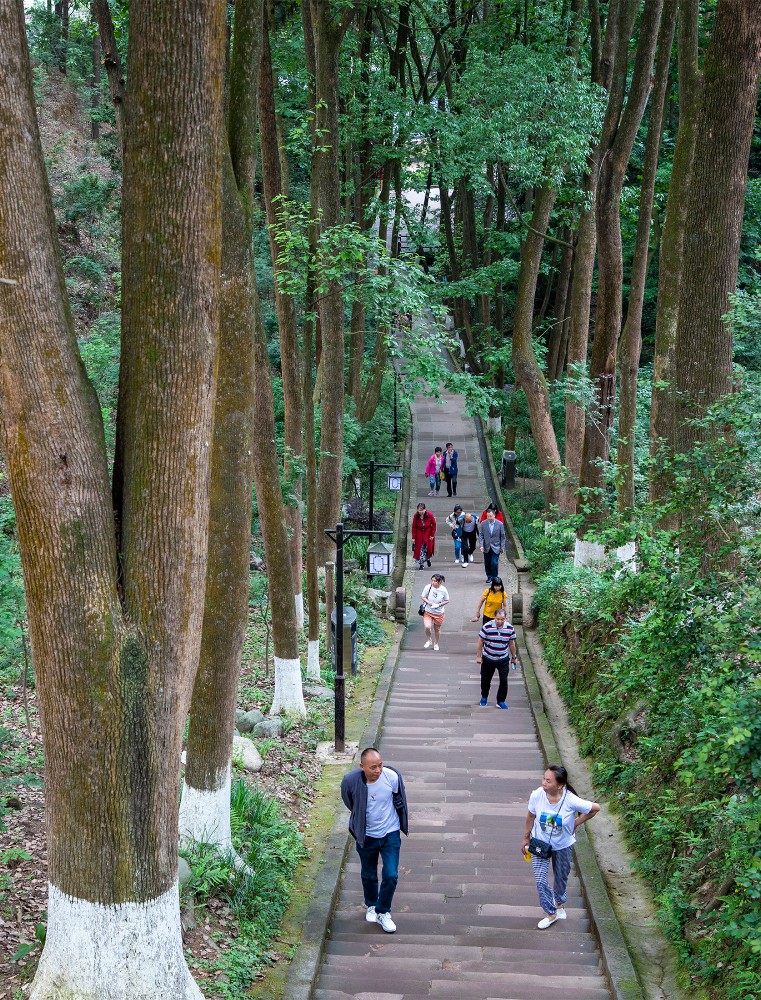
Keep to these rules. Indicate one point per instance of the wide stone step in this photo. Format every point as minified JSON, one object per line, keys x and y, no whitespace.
{"x":469,"y":986}
{"x":452,"y":951}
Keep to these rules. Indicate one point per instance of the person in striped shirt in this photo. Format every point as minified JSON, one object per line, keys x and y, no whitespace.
{"x":496,"y":648}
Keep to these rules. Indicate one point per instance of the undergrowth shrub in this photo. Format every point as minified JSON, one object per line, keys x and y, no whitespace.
{"x":660,"y":670}
{"x":256,"y":895}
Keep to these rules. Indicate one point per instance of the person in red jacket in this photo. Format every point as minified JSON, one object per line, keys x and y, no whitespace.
{"x":497,"y":513}
{"x":423,"y":533}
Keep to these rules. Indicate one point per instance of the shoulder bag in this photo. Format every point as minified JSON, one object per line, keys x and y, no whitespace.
{"x":423,"y":605}
{"x":543,"y":848}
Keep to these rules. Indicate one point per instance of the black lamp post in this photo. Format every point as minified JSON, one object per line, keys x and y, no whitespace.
{"x":339,"y":536}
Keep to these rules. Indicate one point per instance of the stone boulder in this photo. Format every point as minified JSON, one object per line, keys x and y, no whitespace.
{"x":245,"y":721}
{"x":317,"y":691}
{"x":246,"y":755}
{"x":269,"y":728}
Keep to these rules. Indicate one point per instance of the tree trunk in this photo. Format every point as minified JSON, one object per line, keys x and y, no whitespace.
{"x":619,"y":132}
{"x":554,"y":357}
{"x":326,"y":201}
{"x":310,"y":454}
{"x":205,"y":804}
{"x":631,"y":340}
{"x":578,"y":321}
{"x":671,"y":259}
{"x":62,"y":54}
{"x":286,"y":318}
{"x":724,"y":129}
{"x":115,"y":647}
{"x":111,"y":60}
{"x":527,"y":370}
{"x":603,"y":53}
{"x":95,"y":83}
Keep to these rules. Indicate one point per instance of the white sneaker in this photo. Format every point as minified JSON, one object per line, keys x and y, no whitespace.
{"x":435,"y":646}
{"x":542,"y":925}
{"x":427,"y":645}
{"x":560,"y":912}
{"x":371,"y":916}
{"x":384,"y":919}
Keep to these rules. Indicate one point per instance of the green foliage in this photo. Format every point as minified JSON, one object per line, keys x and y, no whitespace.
{"x":255,"y":895}
{"x":661,"y":673}
{"x":12,"y":602}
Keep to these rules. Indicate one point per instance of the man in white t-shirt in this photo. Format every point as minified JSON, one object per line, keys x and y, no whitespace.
{"x":378,"y":802}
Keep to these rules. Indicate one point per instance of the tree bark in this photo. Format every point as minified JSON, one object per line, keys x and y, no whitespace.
{"x":205,"y":804}
{"x":631,"y":339}
{"x":116,"y":640}
{"x":326,"y":201}
{"x":95,"y":83}
{"x":286,"y":318}
{"x":724,"y":129}
{"x":619,"y":132}
{"x":554,"y":357}
{"x":112,"y":61}
{"x":527,"y":370}
{"x":671,"y":259}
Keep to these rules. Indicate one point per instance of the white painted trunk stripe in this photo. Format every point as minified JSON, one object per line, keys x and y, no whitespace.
{"x":205,"y":815}
{"x":299,"y":602}
{"x":587,"y":553}
{"x":289,"y":695}
{"x":313,"y":659}
{"x":129,"y":951}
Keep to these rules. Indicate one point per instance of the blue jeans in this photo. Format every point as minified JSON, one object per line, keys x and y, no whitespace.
{"x":387,"y":849}
{"x":457,"y":547}
{"x":435,"y":482}
{"x":491,"y":564}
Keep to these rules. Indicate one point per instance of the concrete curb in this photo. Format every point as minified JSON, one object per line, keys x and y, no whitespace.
{"x":305,"y":965}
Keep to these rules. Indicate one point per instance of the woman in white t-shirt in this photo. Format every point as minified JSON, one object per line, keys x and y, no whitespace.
{"x":555,"y":812}
{"x":435,"y":597}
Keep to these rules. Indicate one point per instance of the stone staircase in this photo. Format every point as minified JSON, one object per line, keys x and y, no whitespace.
{"x":466,"y":906}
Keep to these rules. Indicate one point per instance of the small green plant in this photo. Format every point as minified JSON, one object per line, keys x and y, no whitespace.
{"x":256,"y":893}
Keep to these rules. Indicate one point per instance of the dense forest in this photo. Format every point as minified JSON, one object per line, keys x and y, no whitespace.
{"x":229,"y":232}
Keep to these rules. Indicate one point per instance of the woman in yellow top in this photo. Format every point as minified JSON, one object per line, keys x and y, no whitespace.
{"x":492,"y":599}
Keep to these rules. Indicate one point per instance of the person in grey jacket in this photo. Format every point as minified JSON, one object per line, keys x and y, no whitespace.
{"x":376,"y":798}
{"x":492,"y":538}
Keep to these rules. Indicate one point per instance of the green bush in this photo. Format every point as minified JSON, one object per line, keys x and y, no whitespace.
{"x":660,"y":670}
{"x":257,"y":894}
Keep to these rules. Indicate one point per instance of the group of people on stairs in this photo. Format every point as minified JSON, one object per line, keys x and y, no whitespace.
{"x":375,"y":793}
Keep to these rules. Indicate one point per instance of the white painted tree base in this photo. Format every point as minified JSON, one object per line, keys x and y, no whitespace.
{"x":588,"y":553}
{"x":205,"y":815}
{"x":299,"y":602}
{"x":494,"y":424}
{"x":313,"y":659}
{"x":593,"y":554}
{"x":130,"y":951}
{"x":289,"y":694}
{"x":205,"y":818}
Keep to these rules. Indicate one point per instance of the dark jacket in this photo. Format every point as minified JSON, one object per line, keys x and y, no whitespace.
{"x":354,"y":795}
{"x":494,"y":541}
{"x":453,"y":467}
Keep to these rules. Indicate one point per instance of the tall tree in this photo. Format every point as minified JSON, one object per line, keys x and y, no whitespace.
{"x":328,"y":29}
{"x":205,"y":804}
{"x":622,"y":123}
{"x":115,"y":627}
{"x":275,"y":186}
{"x":631,"y":339}
{"x":671,"y":257}
{"x":724,"y":128}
